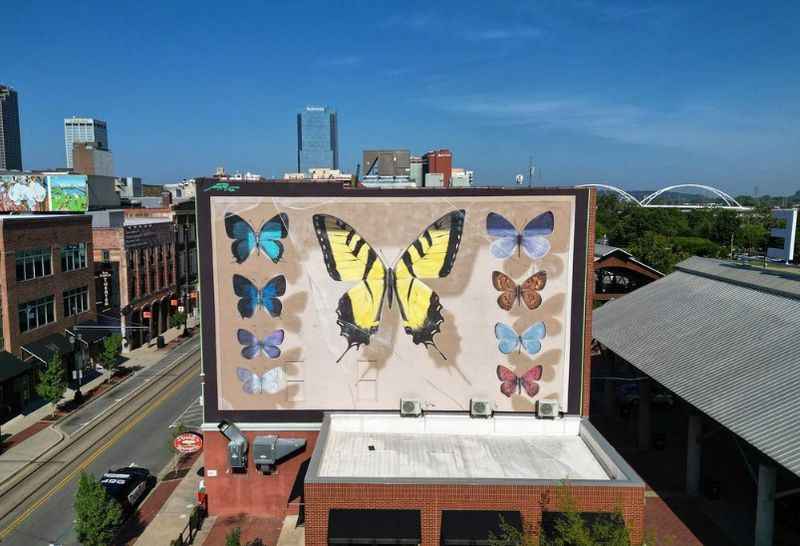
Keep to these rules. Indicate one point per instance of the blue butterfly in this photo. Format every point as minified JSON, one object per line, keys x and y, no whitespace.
{"x":245,"y":239}
{"x":508,"y":340}
{"x":269,"y":382}
{"x":252,"y":298}
{"x":252,"y":346}
{"x":531,"y":239}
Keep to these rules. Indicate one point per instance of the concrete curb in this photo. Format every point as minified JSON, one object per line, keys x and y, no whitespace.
{"x":26,"y":471}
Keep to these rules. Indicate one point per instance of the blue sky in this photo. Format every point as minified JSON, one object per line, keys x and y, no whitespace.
{"x":636,"y":94}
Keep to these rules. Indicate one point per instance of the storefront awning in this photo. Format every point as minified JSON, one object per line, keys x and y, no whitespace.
{"x":44,"y":349}
{"x":472,"y":527}
{"x":11,"y":366}
{"x":374,"y":527}
{"x":93,"y":332}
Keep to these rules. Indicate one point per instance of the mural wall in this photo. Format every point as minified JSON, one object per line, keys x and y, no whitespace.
{"x":68,"y":193}
{"x":23,"y":193}
{"x":355,"y":302}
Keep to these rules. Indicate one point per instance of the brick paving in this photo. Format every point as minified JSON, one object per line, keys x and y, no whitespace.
{"x":23,"y":435}
{"x":268,"y":529}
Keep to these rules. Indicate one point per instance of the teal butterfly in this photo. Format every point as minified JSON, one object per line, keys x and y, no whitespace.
{"x":246,"y":240}
{"x":508,"y":340}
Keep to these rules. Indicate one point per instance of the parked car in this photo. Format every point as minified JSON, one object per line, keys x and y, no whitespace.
{"x":127,"y":485}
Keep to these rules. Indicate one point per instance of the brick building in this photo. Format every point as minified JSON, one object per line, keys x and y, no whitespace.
{"x":414,"y":413}
{"x":135,"y":258}
{"x":46,"y":287}
{"x":438,"y":162}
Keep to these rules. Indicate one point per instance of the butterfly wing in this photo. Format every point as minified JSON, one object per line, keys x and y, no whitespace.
{"x":273,"y":380}
{"x":529,"y":380}
{"x":533,"y":235}
{"x":348,"y":257}
{"x":508,"y":380}
{"x":269,"y":236}
{"x":251,"y":382}
{"x":430,"y":256}
{"x":249,"y":343}
{"x":275,"y":288}
{"x":507,"y":338}
{"x":532,"y":337}
{"x":244,"y":238}
{"x":270,"y":344}
{"x":248,"y":295}
{"x":507,"y":288}
{"x":505,"y":232}
{"x":529,"y":291}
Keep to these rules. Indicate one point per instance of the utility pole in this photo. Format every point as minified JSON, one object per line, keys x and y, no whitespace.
{"x":186,"y":279}
{"x":530,"y":171}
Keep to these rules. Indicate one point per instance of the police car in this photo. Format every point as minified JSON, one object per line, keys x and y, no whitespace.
{"x":127,"y":485}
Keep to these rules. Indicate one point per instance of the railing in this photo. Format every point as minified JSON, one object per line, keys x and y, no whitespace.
{"x":192,"y":526}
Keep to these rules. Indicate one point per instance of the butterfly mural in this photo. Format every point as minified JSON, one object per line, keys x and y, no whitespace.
{"x":348,"y":257}
{"x":251,"y":298}
{"x":511,"y":293}
{"x":270,"y":382}
{"x":508,"y":340}
{"x":531,"y":239}
{"x":510,"y":382}
{"x":267,"y":240}
{"x":252,"y":346}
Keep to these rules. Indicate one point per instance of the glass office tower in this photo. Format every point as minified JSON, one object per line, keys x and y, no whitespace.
{"x":84,"y":130}
{"x":317,"y":139}
{"x":10,"y":148}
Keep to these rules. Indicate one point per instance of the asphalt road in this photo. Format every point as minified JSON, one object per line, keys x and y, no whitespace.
{"x":146,"y":444}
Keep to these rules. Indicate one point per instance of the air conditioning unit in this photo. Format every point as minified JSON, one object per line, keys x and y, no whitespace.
{"x":480,"y":408}
{"x":410,"y":408}
{"x":547,"y":409}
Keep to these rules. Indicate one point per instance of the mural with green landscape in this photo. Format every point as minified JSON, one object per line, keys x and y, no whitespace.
{"x":68,"y":193}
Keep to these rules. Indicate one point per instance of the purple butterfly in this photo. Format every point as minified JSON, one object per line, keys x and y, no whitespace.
{"x":252,"y":345}
{"x":531,"y":239}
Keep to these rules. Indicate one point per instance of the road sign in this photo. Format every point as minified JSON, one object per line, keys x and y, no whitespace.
{"x":173,"y":303}
{"x":188,"y":442}
{"x":180,"y":309}
{"x":147,"y":314}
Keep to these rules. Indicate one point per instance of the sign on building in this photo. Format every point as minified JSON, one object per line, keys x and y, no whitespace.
{"x":783,"y":237}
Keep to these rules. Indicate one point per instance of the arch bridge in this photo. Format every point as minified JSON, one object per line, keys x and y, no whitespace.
{"x":648,"y":200}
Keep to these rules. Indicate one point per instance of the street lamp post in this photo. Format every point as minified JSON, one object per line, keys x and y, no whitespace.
{"x":77,"y":350}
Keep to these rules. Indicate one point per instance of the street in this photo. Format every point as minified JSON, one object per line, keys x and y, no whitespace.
{"x":46,"y":517}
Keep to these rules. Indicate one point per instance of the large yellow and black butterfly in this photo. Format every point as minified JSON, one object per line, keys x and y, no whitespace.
{"x":348,"y":257}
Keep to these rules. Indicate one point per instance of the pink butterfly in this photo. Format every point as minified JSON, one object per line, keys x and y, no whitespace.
{"x":512,"y":382}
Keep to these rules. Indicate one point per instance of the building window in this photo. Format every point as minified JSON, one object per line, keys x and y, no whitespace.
{"x":106,"y":256}
{"x":35,"y":263}
{"x":73,"y":257}
{"x":76,"y":301}
{"x":36,"y":313}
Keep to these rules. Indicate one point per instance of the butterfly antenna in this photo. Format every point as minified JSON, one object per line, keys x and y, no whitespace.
{"x":344,"y":353}
{"x":437,"y":350}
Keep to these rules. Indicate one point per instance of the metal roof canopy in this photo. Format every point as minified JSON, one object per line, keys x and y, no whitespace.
{"x":725,"y":339}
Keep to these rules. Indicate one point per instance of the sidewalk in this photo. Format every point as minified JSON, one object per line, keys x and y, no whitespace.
{"x":176,"y":500}
{"x":32,"y":436}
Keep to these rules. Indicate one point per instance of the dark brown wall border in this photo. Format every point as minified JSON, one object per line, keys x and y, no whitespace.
{"x":209,"y":187}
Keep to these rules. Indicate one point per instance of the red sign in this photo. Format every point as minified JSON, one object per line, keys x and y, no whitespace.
{"x":188,"y":442}
{"x":147,"y":314}
{"x":173,"y":303}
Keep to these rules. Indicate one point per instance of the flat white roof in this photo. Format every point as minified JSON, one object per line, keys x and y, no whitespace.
{"x":145,"y":221}
{"x":457,"y":447}
{"x":34,"y":216}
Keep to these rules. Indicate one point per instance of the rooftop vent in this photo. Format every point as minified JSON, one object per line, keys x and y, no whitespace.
{"x":480,"y":408}
{"x":410,"y":408}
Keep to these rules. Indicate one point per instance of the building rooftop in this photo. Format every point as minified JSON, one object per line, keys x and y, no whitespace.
{"x":34,"y":216}
{"x":723,"y":337}
{"x":145,"y":221}
{"x":456,"y":447}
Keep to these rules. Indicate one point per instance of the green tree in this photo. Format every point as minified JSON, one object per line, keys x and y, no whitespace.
{"x":657,"y":251}
{"x":52,"y":382}
{"x":97,"y":515}
{"x":177,"y":320}
{"x":234,"y":538}
{"x":112,"y":347}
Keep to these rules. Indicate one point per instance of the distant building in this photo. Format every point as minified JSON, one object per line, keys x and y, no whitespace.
{"x":89,"y":158}
{"x":84,"y":130}
{"x":400,"y":182}
{"x":386,"y":162}
{"x":181,"y":190}
{"x":617,"y":272}
{"x":439,"y":161}
{"x":320,"y":175}
{"x":415,"y":172}
{"x":461,"y":178}
{"x":434,"y":180}
{"x":46,"y":289}
{"x":317,"y":138}
{"x":129,"y":187}
{"x":10,"y":147}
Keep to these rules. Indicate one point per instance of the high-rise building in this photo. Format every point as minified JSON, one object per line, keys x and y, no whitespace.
{"x":415,"y":172}
{"x":386,"y":162}
{"x":439,"y":161}
{"x":89,"y":158}
{"x":84,"y":130}
{"x":317,"y":139}
{"x":10,"y":147}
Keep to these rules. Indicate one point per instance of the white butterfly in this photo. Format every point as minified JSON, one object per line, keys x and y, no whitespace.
{"x":269,"y":382}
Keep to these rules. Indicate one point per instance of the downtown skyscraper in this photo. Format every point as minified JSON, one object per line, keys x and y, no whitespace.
{"x":317,"y":139}
{"x":84,"y":130}
{"x":10,"y":147}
